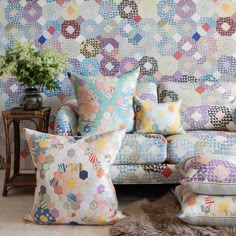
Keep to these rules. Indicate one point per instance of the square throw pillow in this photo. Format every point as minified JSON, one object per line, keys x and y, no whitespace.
{"x":73,"y":178}
{"x":162,"y":118}
{"x":200,"y":209}
{"x":105,"y":103}
{"x":209,"y":174}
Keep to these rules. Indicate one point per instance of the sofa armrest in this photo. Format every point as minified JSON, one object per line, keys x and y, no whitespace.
{"x":67,"y":118}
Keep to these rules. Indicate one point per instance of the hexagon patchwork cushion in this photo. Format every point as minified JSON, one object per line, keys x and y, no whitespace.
{"x":105,"y":102}
{"x":73,"y":177}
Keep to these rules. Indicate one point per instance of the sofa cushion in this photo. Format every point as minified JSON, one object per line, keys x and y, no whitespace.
{"x":202,"y":92}
{"x":162,"y":118}
{"x":199,"y":209}
{"x":183,"y":146}
{"x":205,"y":104}
{"x":141,"y":149}
{"x":73,"y":177}
{"x":212,"y":174}
{"x":206,"y":117}
{"x":145,"y":174}
{"x":105,"y":103}
{"x":147,"y":91}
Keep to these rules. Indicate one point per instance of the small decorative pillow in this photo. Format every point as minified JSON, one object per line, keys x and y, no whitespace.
{"x":162,"y":118}
{"x":73,"y":178}
{"x":209,"y":174}
{"x":198,"y":209}
{"x":105,"y":103}
{"x":208,"y":117}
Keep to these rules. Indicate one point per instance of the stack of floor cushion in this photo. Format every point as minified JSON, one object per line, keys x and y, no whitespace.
{"x":207,"y":193}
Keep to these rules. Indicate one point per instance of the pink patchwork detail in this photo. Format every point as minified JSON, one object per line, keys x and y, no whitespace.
{"x":220,"y":115}
{"x":200,"y":89}
{"x":206,"y":26}
{"x":177,"y":55}
{"x":24,"y":153}
{"x":167,"y":172}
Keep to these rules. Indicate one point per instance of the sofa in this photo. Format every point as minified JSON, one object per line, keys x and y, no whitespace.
{"x":208,"y":117}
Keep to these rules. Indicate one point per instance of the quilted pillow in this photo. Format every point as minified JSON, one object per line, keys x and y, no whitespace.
{"x":162,"y":118}
{"x":105,"y":103}
{"x":199,"y":209}
{"x":73,"y":178}
{"x":207,"y":117}
{"x":209,"y":174}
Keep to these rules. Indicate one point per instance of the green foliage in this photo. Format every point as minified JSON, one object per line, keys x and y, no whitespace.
{"x":32,"y":68}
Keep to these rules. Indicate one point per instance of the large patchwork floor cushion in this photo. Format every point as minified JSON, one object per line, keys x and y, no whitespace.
{"x":201,"y":209}
{"x":145,"y":174}
{"x":73,"y":178}
{"x":142,"y":149}
{"x":212,"y":174}
{"x":162,"y":118}
{"x":192,"y":143}
{"x":105,"y":103}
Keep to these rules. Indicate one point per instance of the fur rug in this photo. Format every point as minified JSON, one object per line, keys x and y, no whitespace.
{"x":158,"y":218}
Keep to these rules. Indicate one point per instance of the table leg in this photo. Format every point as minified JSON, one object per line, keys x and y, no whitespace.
{"x":16,"y":147}
{"x":8,"y":156}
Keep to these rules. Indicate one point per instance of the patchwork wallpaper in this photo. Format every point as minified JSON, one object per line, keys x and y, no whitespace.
{"x":168,"y":39}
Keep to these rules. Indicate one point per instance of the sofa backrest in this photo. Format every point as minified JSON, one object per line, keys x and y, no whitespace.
{"x":206,"y":104}
{"x":198,"y":93}
{"x":147,"y":90}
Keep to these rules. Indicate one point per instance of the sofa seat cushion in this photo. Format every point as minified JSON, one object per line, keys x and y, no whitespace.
{"x":142,"y":149}
{"x":183,"y":146}
{"x":145,"y":174}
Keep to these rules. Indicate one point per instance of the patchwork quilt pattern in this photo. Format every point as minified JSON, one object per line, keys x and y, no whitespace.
{"x":168,"y":39}
{"x":142,"y":149}
{"x":192,"y":143}
{"x":207,"y":117}
{"x":145,"y":174}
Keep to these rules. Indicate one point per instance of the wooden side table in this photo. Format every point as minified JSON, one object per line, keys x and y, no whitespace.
{"x":40,"y":118}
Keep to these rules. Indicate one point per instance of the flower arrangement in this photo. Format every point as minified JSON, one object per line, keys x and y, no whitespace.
{"x":31,"y":67}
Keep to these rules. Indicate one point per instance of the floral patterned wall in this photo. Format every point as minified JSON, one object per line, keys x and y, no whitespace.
{"x":173,"y":39}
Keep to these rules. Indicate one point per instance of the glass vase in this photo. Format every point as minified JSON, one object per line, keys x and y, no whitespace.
{"x":31,"y":99}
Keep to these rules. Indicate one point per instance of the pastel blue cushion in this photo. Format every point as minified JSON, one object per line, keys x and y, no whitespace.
{"x":105,"y":103}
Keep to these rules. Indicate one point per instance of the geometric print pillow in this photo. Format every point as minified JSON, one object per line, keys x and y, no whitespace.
{"x":73,"y":178}
{"x":105,"y":103}
{"x":207,"y":117}
{"x":209,"y":174}
{"x":206,"y":209}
